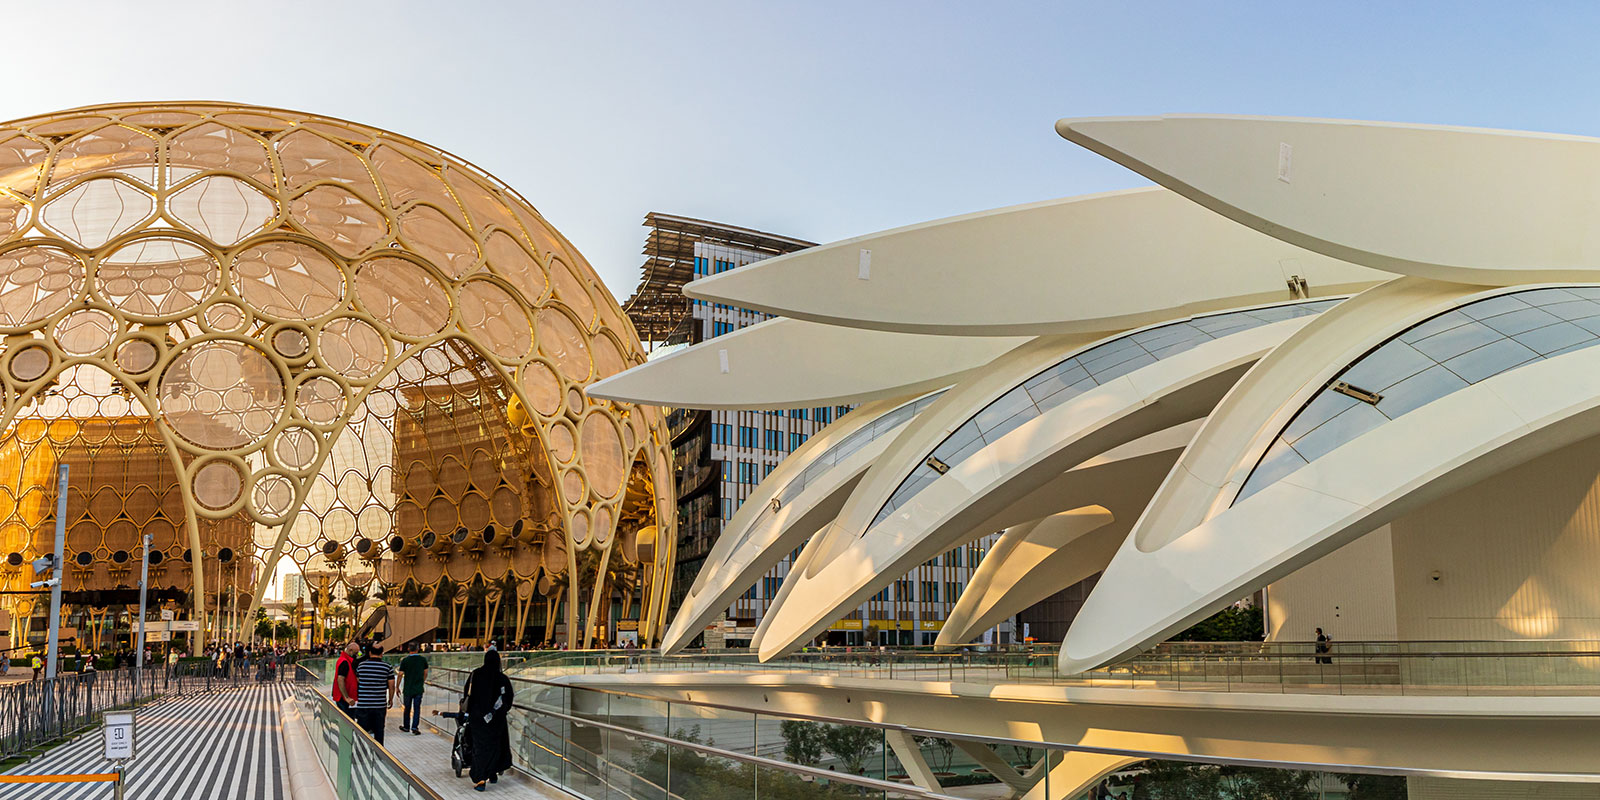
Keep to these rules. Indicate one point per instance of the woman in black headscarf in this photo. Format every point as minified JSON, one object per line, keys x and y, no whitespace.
{"x":488,"y":704}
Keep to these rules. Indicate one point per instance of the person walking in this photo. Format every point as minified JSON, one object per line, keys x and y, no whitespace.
{"x":344,"y":679}
{"x":489,"y":696}
{"x":374,"y":692}
{"x":38,"y":667}
{"x":414,"y":671}
{"x":1324,"y":646}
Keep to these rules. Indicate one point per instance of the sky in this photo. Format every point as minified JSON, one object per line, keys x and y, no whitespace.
{"x":820,"y":120}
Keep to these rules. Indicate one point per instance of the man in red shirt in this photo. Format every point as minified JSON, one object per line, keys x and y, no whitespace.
{"x":344,"y":678}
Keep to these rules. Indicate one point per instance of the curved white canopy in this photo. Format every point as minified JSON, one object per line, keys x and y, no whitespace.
{"x":1236,"y":434}
{"x":805,"y":491}
{"x":790,"y":363}
{"x":1442,"y":447}
{"x":1457,"y":204}
{"x":984,"y":485}
{"x":1036,"y":559}
{"x":1093,"y":263}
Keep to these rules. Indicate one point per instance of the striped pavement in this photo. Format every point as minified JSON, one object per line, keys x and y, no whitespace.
{"x":222,"y":745}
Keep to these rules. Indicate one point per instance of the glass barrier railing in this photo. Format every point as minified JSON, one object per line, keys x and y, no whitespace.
{"x":602,"y":743}
{"x":1542,"y":667}
{"x":358,"y":767}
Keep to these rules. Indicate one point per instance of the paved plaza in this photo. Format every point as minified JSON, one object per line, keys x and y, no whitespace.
{"x":223,"y":744}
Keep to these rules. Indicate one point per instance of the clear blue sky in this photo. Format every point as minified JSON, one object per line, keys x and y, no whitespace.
{"x":818,"y":119}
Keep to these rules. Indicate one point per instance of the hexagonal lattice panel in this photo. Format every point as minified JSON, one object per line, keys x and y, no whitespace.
{"x":260,"y":334}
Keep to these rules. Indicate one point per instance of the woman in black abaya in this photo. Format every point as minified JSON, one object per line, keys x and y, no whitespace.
{"x":488,"y":704}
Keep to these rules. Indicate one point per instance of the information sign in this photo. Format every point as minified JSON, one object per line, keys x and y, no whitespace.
{"x":157,"y":636}
{"x":118,"y":731}
{"x":167,"y":614}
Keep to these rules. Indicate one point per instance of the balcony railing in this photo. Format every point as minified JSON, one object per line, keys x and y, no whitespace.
{"x":605,"y":742}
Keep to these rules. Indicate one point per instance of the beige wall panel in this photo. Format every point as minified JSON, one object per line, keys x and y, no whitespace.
{"x":1427,"y":788}
{"x":1349,"y":593}
{"x":1516,"y":555}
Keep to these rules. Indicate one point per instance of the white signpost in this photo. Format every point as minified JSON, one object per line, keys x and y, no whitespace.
{"x":118,"y":732}
{"x":166,"y":614}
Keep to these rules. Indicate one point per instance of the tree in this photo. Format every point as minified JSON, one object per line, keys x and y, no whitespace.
{"x":1176,"y":780}
{"x":944,"y":747}
{"x":263,"y":629}
{"x":851,"y":745}
{"x":1231,"y":624}
{"x":1375,"y":787}
{"x":802,"y":742}
{"x":696,"y":775}
{"x":283,"y":630}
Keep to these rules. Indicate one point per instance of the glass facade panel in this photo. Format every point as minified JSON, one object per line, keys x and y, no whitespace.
{"x":1070,"y":377}
{"x":1434,"y":358}
{"x":890,"y":421}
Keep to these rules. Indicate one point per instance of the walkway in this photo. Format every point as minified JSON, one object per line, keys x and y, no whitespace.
{"x":217,"y":746}
{"x":428,"y":757}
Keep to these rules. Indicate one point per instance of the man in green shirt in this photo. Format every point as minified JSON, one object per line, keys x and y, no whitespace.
{"x":413,"y":671}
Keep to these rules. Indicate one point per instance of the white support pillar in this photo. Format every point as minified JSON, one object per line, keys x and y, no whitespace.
{"x":905,"y":748}
{"x":998,"y":767}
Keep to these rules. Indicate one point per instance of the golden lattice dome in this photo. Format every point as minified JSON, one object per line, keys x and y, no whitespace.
{"x":362,"y":351}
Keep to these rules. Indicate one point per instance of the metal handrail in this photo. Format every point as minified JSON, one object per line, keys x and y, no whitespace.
{"x":328,"y":705}
{"x":900,"y":789}
{"x":910,"y":790}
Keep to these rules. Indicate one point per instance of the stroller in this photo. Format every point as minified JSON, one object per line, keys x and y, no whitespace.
{"x":461,"y":742}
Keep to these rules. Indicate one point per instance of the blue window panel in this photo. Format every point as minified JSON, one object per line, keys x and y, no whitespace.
{"x":1434,"y":358}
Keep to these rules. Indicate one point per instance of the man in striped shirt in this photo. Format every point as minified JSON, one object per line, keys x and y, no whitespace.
{"x":374,"y":692}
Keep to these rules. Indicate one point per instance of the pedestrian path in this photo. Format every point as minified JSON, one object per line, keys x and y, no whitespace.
{"x":428,"y":758}
{"x":222,"y":745}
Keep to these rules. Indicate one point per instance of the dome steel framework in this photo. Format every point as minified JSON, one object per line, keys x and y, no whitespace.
{"x":258,"y":334}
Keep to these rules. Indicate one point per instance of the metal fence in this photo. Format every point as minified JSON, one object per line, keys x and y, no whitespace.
{"x":37,"y":712}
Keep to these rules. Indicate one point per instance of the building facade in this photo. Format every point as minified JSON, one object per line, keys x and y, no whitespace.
{"x":722,"y":455}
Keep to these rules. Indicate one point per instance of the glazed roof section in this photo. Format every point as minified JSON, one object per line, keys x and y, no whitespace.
{"x":1444,"y":354}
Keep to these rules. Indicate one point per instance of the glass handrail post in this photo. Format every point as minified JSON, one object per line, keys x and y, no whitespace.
{"x":345,"y":757}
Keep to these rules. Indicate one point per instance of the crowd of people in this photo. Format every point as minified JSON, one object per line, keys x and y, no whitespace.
{"x":365,"y":687}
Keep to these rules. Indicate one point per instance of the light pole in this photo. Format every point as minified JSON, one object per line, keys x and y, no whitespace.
{"x":138,"y":645}
{"x":53,"y":563}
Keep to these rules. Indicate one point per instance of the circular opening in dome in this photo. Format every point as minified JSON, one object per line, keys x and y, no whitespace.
{"x":330,"y":549}
{"x":363,"y":545}
{"x":488,"y":534}
{"x":136,"y":356}
{"x":30,"y":363}
{"x":84,"y":558}
{"x":225,"y":555}
{"x":428,"y":539}
{"x":396,"y":544}
{"x":516,"y":529}
{"x":188,"y":555}
{"x":290,"y":342}
{"x":156,"y":557}
{"x":225,"y":316}
{"x":459,"y":536}
{"x":120,"y":557}
{"x":14,"y":559}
